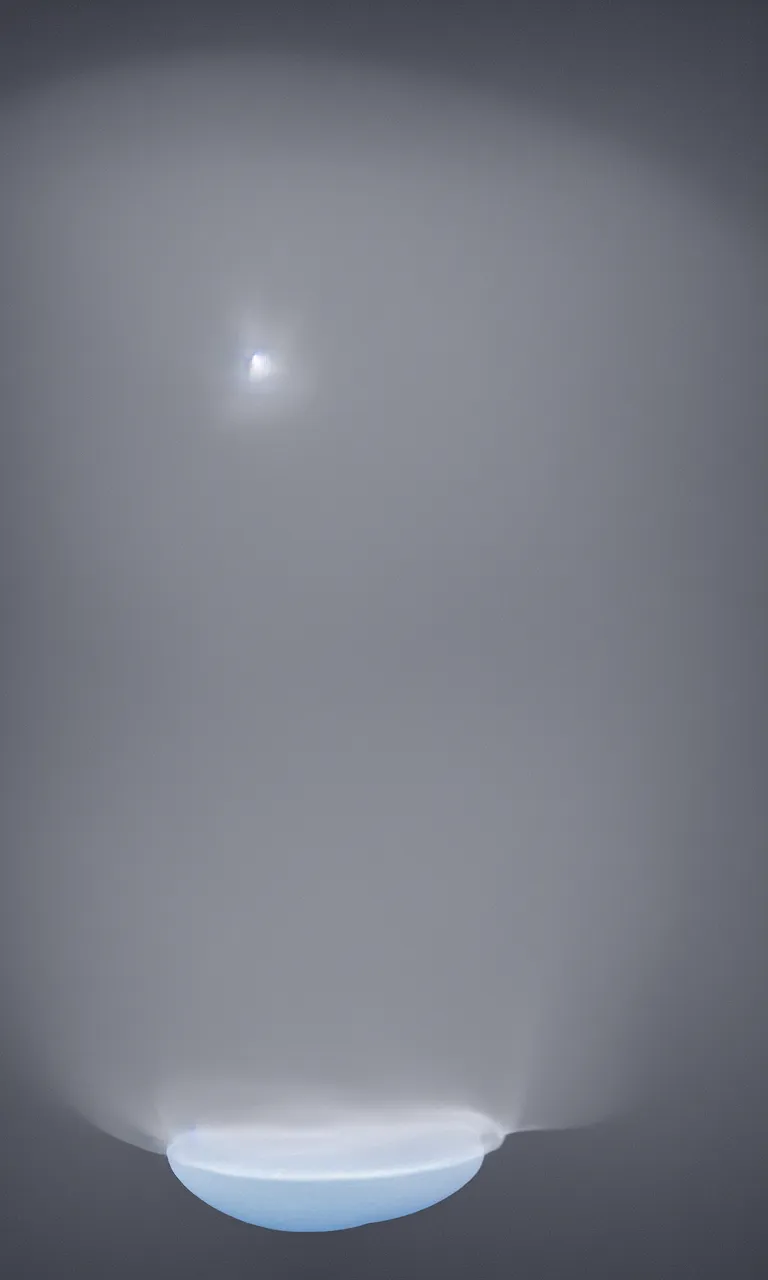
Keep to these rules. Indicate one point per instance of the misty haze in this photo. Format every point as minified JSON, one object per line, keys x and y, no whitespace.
{"x":367,"y":438}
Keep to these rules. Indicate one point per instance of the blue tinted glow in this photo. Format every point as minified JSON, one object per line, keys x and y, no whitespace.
{"x":261,"y":366}
{"x":328,"y":1178}
{"x":324,"y":1205}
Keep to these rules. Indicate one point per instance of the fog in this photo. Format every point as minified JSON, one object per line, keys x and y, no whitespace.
{"x":357,"y":715}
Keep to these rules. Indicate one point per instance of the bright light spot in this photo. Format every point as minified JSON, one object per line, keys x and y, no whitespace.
{"x":261,"y":366}
{"x":333,"y":1175}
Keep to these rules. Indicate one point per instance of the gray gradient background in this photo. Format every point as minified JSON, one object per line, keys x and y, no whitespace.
{"x":530,"y":710}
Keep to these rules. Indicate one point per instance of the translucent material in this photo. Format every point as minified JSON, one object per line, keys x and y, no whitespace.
{"x":336,"y":1175}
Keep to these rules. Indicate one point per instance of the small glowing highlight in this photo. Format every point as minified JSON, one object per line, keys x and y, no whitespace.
{"x":336,"y":1174}
{"x":261,"y":367}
